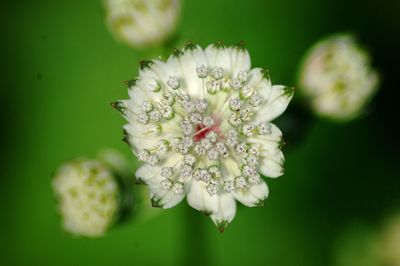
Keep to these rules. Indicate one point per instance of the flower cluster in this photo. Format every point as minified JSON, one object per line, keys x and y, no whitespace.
{"x":88,"y":197}
{"x":142,"y":23}
{"x":337,"y":78}
{"x":201,"y":124}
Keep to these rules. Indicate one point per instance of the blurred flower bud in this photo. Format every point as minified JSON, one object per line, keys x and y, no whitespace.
{"x":337,"y":79}
{"x":390,"y":239}
{"x":142,"y":23}
{"x":88,"y":197}
{"x":356,"y":245}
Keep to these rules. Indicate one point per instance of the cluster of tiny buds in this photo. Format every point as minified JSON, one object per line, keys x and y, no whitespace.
{"x":152,"y":156}
{"x":218,"y":80}
{"x":242,"y":110}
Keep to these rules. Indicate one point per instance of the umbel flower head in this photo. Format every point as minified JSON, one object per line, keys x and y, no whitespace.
{"x":142,"y":23}
{"x":201,"y":124}
{"x":88,"y":197}
{"x":337,"y":77}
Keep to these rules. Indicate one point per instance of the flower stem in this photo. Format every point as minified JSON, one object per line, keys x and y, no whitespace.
{"x":195,"y":239}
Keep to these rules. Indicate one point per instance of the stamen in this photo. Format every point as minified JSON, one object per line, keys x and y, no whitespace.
{"x":166,"y":184}
{"x":178,"y":188}
{"x":202,"y":71}
{"x":144,"y":155}
{"x":228,"y":186}
{"x":174,"y":83}
{"x":143,"y":118}
{"x":213,"y":86}
{"x":235,"y":104}
{"x":240,"y":182}
{"x":186,"y":171}
{"x":264,"y":129}
{"x":217,"y":73}
{"x":147,"y":106}
{"x":153,"y":160}
{"x":167,"y":99}
{"x":212,"y":189}
{"x":212,"y":154}
{"x":155,"y":116}
{"x":167,"y":172}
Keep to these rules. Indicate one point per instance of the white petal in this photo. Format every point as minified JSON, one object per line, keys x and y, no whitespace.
{"x":221,"y":207}
{"x":152,"y":177}
{"x":219,"y":56}
{"x":271,"y":163}
{"x":253,"y":196}
{"x":275,"y":101}
{"x":160,"y":71}
{"x":270,"y":141}
{"x":200,"y":199}
{"x":226,"y":211}
{"x":140,"y":92}
{"x":240,"y":60}
{"x":189,"y":61}
{"x":165,"y":199}
{"x":139,"y":137}
{"x":255,"y":77}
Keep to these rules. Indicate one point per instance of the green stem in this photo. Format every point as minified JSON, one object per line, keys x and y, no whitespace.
{"x":195,"y":239}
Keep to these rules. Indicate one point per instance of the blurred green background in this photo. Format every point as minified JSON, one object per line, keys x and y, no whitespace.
{"x":60,"y":68}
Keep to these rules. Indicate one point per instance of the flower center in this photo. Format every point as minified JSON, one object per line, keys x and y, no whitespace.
{"x":201,"y":131}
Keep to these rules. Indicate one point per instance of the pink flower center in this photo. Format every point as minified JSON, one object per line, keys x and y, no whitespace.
{"x":202,"y":131}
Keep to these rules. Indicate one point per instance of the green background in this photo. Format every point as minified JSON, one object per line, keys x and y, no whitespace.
{"x":60,"y":68}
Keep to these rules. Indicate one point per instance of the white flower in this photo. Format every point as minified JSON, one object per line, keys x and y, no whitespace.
{"x":88,"y":197}
{"x":141,"y":23}
{"x":337,"y":77}
{"x":217,"y":139}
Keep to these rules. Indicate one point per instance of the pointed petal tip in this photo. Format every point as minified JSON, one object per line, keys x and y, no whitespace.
{"x":219,"y":44}
{"x":130,"y":82}
{"x":125,"y":137}
{"x":189,"y":45}
{"x":222,"y":225}
{"x":176,"y":52}
{"x":260,"y":203}
{"x":139,"y":182}
{"x":281,"y":143}
{"x":206,"y":213}
{"x":119,"y":106}
{"x":239,"y":45}
{"x":145,"y":64}
{"x":156,"y":203}
{"x":288,"y":91}
{"x":265,"y":73}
